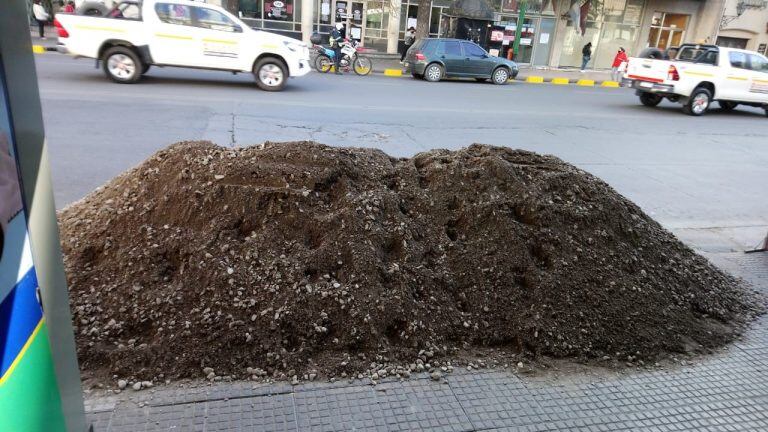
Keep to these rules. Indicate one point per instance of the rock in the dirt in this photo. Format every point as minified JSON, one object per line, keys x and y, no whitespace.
{"x":122,"y":384}
{"x":436,"y":375}
{"x":137,"y":386}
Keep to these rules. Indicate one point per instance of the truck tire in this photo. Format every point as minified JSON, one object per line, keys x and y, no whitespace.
{"x":270,"y":74}
{"x":727,"y":106}
{"x":698,"y":102}
{"x":650,"y":99}
{"x":122,"y":65}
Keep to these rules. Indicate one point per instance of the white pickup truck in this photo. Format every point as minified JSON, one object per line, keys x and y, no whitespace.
{"x":137,"y":34}
{"x":699,"y":75}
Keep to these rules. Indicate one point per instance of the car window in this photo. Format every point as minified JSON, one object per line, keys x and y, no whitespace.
{"x":738,"y":59}
{"x":213,"y":20}
{"x":129,"y":11}
{"x":472,"y":50}
{"x":758,"y":63}
{"x":449,"y":48}
{"x":174,"y":13}
{"x":709,"y":58}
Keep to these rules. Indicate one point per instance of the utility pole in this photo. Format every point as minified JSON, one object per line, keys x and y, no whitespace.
{"x":519,"y":30}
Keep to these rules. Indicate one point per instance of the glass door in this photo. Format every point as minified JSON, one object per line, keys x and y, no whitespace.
{"x":543,"y":42}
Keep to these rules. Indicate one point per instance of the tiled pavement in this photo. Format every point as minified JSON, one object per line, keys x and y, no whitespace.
{"x":723,"y":392}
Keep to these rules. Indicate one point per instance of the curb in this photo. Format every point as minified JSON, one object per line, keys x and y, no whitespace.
{"x":535,"y":80}
{"x":393,"y":72}
{"x":560,"y":81}
{"x":42,"y":49}
{"x":585,"y":83}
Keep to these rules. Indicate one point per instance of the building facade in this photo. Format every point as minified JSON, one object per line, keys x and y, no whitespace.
{"x":552,"y":34}
{"x":745,"y":25}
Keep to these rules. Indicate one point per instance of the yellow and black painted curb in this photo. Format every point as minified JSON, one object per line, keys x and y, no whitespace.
{"x":41,"y":49}
{"x":533,"y":79}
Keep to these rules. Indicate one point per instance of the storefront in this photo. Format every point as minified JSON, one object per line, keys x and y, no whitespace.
{"x":552,"y":33}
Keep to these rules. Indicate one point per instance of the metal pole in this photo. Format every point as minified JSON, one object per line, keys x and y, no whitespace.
{"x":519,"y":29}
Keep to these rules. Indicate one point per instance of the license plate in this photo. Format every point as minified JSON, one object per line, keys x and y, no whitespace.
{"x":646,"y":84}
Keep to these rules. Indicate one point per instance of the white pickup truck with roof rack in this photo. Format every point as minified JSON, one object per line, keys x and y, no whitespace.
{"x":699,"y":75}
{"x":135,"y":35}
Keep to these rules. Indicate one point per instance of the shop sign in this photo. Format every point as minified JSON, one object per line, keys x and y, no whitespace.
{"x":278,"y":10}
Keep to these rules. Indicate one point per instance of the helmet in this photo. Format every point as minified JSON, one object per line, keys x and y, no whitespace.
{"x":339,"y":26}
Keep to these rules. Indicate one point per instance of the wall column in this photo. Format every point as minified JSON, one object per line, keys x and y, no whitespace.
{"x":393,"y":28}
{"x":307,"y":19}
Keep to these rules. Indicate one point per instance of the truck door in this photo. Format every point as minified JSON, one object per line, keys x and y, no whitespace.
{"x":219,"y":39}
{"x":758,"y":88}
{"x":171,"y":35}
{"x":735,"y":84}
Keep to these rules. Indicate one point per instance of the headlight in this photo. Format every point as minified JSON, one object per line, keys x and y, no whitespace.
{"x":293,"y":46}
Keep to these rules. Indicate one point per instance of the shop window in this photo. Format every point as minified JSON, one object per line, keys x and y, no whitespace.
{"x":278,"y":10}
{"x":325,"y":11}
{"x":434,"y":20}
{"x":250,"y":8}
{"x":375,"y":16}
{"x":667,"y":30}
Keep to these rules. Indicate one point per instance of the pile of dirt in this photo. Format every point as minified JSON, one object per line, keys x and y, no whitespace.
{"x":298,"y":257}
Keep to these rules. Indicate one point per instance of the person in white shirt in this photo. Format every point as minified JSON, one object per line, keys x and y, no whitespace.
{"x":10,"y":192}
{"x":41,"y":16}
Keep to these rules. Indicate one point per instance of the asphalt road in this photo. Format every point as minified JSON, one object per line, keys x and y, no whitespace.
{"x":704,"y":178}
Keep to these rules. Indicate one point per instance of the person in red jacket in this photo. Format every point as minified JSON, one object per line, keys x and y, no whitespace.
{"x":616,"y":68}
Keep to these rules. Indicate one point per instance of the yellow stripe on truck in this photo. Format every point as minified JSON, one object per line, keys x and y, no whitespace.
{"x":98,"y":28}
{"x":222,"y":41}
{"x":170,"y":36}
{"x":698,"y":74}
{"x":735,"y":78}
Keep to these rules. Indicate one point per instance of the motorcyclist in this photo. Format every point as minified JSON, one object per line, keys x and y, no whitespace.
{"x":336,"y":40}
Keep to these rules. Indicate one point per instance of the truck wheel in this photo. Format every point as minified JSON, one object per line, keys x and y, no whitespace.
{"x":727,"y":106}
{"x":270,"y":74}
{"x":698,"y":102}
{"x":122,"y":65}
{"x":650,"y":99}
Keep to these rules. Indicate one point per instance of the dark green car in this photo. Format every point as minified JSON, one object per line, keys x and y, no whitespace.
{"x":435,"y":59}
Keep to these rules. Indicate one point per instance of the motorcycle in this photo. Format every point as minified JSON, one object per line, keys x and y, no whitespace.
{"x":349,"y":58}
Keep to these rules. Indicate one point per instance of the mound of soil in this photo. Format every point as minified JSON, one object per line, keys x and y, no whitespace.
{"x":300,"y":257}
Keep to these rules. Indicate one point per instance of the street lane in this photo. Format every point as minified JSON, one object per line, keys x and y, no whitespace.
{"x":701,"y":177}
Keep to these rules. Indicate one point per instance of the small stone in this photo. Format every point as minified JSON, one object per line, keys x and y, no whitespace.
{"x":146,"y":384}
{"x":137,"y":386}
{"x":211,"y":376}
{"x":519,"y":365}
{"x":208,"y":370}
{"x":122,"y":384}
{"x":436,"y":375}
{"x":375,"y":376}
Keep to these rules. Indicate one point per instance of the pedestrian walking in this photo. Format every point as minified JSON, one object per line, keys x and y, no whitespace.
{"x":41,"y":16}
{"x":586,"y":55}
{"x":70,"y":7}
{"x":410,"y":38}
{"x":619,"y":64}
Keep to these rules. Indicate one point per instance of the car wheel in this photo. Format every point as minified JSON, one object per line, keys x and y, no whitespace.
{"x":122,"y":65}
{"x":500,"y":76}
{"x":698,"y":102}
{"x":727,"y":106}
{"x":650,"y":99}
{"x":270,"y":74}
{"x":433,"y":73}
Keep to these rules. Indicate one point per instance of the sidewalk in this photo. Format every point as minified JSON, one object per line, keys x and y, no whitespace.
{"x":727,"y":391}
